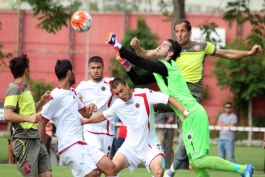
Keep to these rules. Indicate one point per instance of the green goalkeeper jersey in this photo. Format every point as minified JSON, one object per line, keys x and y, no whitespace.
{"x":176,"y":87}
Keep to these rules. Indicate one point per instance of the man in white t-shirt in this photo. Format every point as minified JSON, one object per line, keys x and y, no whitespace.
{"x":135,"y":109}
{"x":97,"y":91}
{"x":63,"y":109}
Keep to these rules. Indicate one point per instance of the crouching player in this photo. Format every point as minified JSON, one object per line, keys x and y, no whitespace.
{"x":135,"y":109}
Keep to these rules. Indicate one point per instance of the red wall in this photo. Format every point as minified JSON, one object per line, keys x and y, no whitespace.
{"x":44,"y":49}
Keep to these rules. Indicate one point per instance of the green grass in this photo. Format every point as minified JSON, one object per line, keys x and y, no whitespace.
{"x":253,"y":155}
{"x":64,"y":171}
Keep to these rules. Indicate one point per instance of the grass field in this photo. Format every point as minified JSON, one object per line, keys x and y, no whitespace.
{"x":253,"y":155}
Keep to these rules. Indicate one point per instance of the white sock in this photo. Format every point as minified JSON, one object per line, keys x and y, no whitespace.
{"x":172,"y":169}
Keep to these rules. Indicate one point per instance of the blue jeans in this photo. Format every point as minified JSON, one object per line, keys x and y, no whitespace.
{"x":226,"y":147}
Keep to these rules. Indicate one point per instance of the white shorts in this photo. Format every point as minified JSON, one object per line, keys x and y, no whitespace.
{"x":100,"y":141}
{"x":82,"y":159}
{"x":136,"y":157}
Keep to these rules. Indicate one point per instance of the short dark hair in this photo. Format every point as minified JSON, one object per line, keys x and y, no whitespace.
{"x":228,"y":102}
{"x":188,"y":26}
{"x":116,"y":82}
{"x":96,"y":59}
{"x":175,"y":47}
{"x":18,"y":65}
{"x":61,"y":68}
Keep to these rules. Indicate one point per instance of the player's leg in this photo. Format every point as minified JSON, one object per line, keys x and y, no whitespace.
{"x":120,"y":161}
{"x":196,"y":138}
{"x":82,"y":160}
{"x":179,"y":156}
{"x":199,"y":172}
{"x":27,"y":152}
{"x":106,"y":166}
{"x":44,"y":163}
{"x":156,"y":166}
{"x":221,"y":148}
{"x":153,"y":159}
{"x":126,"y":157}
{"x":217,"y":163}
{"x":103,"y":163}
{"x":96,"y":141}
{"x":230,"y":150}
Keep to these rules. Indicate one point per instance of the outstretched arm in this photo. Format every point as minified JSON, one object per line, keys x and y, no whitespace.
{"x":88,"y":110}
{"x":44,"y":99}
{"x":141,"y":52}
{"x":237,"y":54}
{"x":153,"y":66}
{"x":141,"y":79}
{"x":94,"y":119}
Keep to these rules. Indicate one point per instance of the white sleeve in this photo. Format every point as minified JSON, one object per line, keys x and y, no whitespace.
{"x":109,"y":113}
{"x":81,"y":105}
{"x":157,"y":97}
{"x":77,"y":89}
{"x":50,"y":108}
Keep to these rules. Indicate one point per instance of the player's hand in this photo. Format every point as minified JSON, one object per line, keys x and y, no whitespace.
{"x":46,"y":97}
{"x":83,"y":121}
{"x":255,"y":49}
{"x":135,"y":43}
{"x":185,"y":114}
{"x":263,"y":145}
{"x":35,"y":118}
{"x":91,"y":108}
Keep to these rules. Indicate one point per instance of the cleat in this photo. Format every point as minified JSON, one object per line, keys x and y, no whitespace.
{"x":248,"y":172}
{"x":111,"y":38}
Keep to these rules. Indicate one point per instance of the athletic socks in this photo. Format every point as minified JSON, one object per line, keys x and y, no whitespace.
{"x":218,"y":163}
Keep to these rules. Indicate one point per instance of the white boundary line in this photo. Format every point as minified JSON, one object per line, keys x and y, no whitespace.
{"x":212,"y":127}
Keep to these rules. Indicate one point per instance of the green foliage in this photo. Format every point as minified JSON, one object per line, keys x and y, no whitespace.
{"x":239,"y":13}
{"x":94,"y":7}
{"x":3,"y":55}
{"x":39,"y":87}
{"x":52,"y":15}
{"x":242,"y":77}
{"x":208,"y":29}
{"x":148,"y":41}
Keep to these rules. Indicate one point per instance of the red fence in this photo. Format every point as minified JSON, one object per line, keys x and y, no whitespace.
{"x":44,"y":49}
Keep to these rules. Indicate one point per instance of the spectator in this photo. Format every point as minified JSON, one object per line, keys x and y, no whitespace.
{"x":227,"y":137}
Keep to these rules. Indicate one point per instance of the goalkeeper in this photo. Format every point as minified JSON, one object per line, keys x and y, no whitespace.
{"x":170,"y":81}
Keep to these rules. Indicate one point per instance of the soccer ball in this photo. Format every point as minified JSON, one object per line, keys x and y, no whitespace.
{"x":81,"y":21}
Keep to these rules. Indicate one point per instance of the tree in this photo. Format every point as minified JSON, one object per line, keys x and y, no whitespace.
{"x":178,"y":12}
{"x":148,"y":41}
{"x":39,"y":87}
{"x":3,"y":55}
{"x":51,"y":14}
{"x":243,"y":77}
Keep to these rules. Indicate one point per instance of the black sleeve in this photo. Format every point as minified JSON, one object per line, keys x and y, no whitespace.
{"x":142,"y":79}
{"x":155,"y":67}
